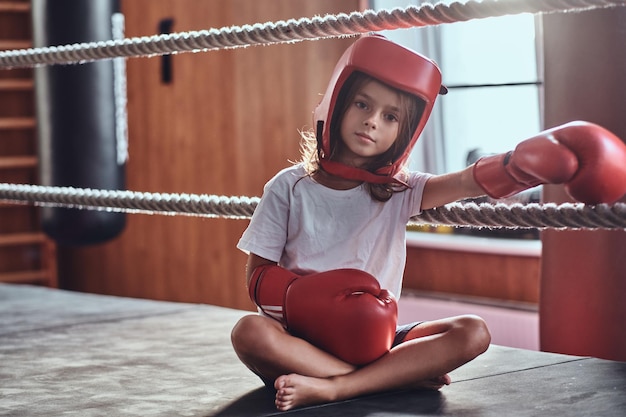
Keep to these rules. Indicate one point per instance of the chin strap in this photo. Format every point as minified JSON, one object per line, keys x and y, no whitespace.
{"x":352,"y":173}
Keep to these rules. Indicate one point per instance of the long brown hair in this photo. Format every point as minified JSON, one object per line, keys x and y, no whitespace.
{"x":412,"y":109}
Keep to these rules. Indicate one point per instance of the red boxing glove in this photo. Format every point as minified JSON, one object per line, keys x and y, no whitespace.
{"x":344,"y":311}
{"x":589,"y":159}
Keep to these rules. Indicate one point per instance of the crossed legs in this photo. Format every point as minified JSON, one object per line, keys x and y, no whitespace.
{"x":304,"y":374}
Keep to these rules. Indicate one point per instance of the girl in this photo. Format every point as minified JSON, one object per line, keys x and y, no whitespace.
{"x":346,"y":205}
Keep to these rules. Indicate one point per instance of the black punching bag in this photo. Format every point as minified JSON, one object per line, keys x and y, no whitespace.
{"x":76,"y":118}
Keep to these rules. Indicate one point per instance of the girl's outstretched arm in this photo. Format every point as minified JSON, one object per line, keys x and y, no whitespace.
{"x":586,"y":158}
{"x":447,"y":188}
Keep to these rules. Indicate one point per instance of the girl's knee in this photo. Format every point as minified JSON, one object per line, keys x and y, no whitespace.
{"x":476,"y":333}
{"x":251,"y":333}
{"x":244,"y":331}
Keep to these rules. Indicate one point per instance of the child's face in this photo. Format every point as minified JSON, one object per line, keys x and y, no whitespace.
{"x":370,"y":125}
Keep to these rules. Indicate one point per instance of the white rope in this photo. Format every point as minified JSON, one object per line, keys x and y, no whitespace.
{"x":130,"y":201}
{"x":292,"y":30}
{"x":529,"y":216}
{"x":541,"y":216}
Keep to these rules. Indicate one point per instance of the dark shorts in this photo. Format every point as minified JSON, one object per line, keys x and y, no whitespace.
{"x":402,"y":331}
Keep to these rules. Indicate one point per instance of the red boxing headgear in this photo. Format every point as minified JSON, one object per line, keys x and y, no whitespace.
{"x":394,"y":65}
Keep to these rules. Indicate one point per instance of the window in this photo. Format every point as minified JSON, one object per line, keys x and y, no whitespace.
{"x":491,"y":69}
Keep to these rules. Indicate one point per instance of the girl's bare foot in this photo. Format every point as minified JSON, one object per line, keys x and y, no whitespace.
{"x":295,"y":390}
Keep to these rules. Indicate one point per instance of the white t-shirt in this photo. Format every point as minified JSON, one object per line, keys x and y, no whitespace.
{"x":307,"y":227}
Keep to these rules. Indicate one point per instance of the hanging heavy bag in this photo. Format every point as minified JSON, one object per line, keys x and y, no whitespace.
{"x":76,"y":118}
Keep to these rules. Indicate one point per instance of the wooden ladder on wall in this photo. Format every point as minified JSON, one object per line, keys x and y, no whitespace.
{"x":27,"y":255}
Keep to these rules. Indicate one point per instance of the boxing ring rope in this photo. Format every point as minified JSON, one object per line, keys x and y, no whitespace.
{"x":564,"y":216}
{"x":290,"y":31}
{"x":541,"y":216}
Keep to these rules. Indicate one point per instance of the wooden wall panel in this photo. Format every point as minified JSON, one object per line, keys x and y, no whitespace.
{"x":498,"y":277}
{"x":225,"y":125}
